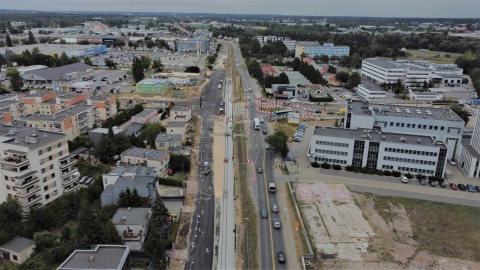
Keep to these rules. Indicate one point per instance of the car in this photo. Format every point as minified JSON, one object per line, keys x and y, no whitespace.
{"x":250,"y":89}
{"x":251,"y":104}
{"x":470,"y":188}
{"x":81,"y":181}
{"x":404,"y":179}
{"x":264,"y":212}
{"x":274,"y":208}
{"x":422,"y":182}
{"x":276,"y":224}
{"x":259,"y":169}
{"x":89,"y":181}
{"x":248,"y":97}
{"x":281,"y":257}
{"x":442,"y":184}
{"x":330,"y":113}
{"x":171,"y":171}
{"x":462,"y":187}
{"x":245,"y":90}
{"x":262,"y":120}
{"x":432,"y":183}
{"x":221,"y":103}
{"x":298,"y":134}
{"x":289,"y":159}
{"x":104,"y":79}
{"x":210,"y":128}
{"x":477,"y":188}
{"x":453,"y":186}
{"x":297,"y":139}
{"x":317,"y":111}
{"x":264,"y":131}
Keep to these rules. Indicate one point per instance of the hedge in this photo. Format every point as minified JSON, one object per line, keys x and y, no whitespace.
{"x":170,"y":182}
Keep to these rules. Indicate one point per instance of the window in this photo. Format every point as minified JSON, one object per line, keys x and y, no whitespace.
{"x":50,"y":157}
{"x":52,"y":175}
{"x":442,"y":128}
{"x":408,"y":125}
{"x":39,"y":152}
{"x":60,"y":153}
{"x":51,"y":167}
{"x":47,"y":196}
{"x":59,"y":144}
{"x":15,"y":258}
{"x":402,"y":125}
{"x":49,"y":148}
{"x":42,"y":170}
{"x":397,"y":124}
{"x":413,"y":125}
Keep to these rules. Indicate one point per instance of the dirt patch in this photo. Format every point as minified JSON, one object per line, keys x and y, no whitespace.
{"x":183,"y":231}
{"x":218,"y":155}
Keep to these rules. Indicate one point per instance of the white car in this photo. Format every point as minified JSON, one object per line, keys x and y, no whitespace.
{"x":404,"y":179}
{"x":245,"y":90}
{"x":248,"y":97}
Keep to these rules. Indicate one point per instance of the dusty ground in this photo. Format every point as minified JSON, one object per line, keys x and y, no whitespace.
{"x":218,"y":155}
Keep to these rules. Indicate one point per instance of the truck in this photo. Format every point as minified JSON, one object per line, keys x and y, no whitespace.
{"x":256,"y":123}
{"x":206,"y":168}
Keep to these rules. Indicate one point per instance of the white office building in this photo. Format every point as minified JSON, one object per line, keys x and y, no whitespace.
{"x":425,"y":96}
{"x":441,"y":124}
{"x":379,"y":150}
{"x":328,"y":49}
{"x":371,"y":92}
{"x":469,"y":155}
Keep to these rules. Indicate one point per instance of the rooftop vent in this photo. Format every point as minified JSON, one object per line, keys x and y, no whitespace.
{"x":16,"y":140}
{"x":34,"y":134}
{"x":32,"y":140}
{"x":419,"y":141}
{"x":383,"y":137}
{"x":403,"y":139}
{"x":91,"y":258}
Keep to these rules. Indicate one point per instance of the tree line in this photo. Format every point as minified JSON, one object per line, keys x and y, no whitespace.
{"x":35,"y":57}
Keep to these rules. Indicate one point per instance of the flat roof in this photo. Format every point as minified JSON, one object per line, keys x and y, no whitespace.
{"x":18,"y":244}
{"x":105,"y":130}
{"x":145,"y":112}
{"x":168,"y":137}
{"x":150,"y":154}
{"x":102,"y":257}
{"x":444,"y":114}
{"x":180,"y":108}
{"x":153,"y":81}
{"x":137,"y":170}
{"x":28,"y":136}
{"x":176,"y":124}
{"x":130,"y":216}
{"x":374,"y":135}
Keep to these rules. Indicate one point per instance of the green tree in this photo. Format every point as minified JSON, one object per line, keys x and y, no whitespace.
{"x":44,"y":240}
{"x":31,"y":38}
{"x":462,"y":113}
{"x":160,"y":217}
{"x":146,"y":62}
{"x":128,"y":198}
{"x":137,"y":70}
{"x":64,"y":60}
{"x":150,"y":132}
{"x":110,"y":64}
{"x":9,"y":41}
{"x":87,"y":61}
{"x":342,"y":76}
{"x":10,"y":215}
{"x":110,"y":235}
{"x":278,"y":140}
{"x":157,"y":65}
{"x":154,"y":250}
{"x":354,"y":80}
{"x":104,"y":149}
{"x":283,"y":78}
{"x":179,"y":163}
{"x":16,"y":81}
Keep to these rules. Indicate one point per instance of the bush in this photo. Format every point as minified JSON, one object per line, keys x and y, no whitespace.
{"x":421,"y":176}
{"x":434,"y":178}
{"x":387,"y":173}
{"x":321,"y":99}
{"x":409,"y":175}
{"x":170,"y":182}
{"x":336,"y":167}
{"x":325,"y":165}
{"x":315,"y":165}
{"x":349,"y":168}
{"x":379,"y":172}
{"x":396,"y":173}
{"x":210,"y":67}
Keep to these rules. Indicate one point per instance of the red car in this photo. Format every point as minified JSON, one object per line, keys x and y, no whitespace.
{"x":453,"y":186}
{"x":171,"y":171}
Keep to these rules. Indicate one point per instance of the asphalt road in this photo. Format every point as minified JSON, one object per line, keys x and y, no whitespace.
{"x":271,"y":240}
{"x":202,"y":228}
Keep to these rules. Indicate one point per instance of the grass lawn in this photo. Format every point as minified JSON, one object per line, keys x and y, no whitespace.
{"x":289,"y":129}
{"x":435,"y":57}
{"x":440,"y":228}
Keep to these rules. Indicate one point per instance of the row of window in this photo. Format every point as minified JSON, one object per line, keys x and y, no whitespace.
{"x":430,"y":127}
{"x":408,"y":160}
{"x":332,"y":143}
{"x":331,"y":160}
{"x":48,"y":149}
{"x":415,"y":170}
{"x":411,"y":152}
{"x":331,"y":152}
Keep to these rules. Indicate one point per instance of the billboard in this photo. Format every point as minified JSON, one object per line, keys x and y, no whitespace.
{"x":293,"y":118}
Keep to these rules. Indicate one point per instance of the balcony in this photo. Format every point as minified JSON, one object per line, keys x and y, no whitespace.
{"x":69,"y":189}
{"x":14,"y":161}
{"x":69,"y":179}
{"x":66,"y":175}
{"x":97,"y":112}
{"x":69,"y":162}
{"x":22,"y":193}
{"x":28,"y":202}
{"x":24,"y":183}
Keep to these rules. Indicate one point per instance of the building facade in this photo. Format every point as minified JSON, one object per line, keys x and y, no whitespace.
{"x":153,"y":86}
{"x":328,"y":49}
{"x":370,"y":92}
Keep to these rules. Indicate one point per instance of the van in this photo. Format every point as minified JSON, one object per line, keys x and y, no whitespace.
{"x":272,"y":187}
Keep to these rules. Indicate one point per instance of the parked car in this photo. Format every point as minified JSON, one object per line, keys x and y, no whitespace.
{"x":281,"y":257}
{"x":404,"y":179}
{"x":462,"y":187}
{"x":470,"y":188}
{"x":274,"y":208}
{"x":442,"y":184}
{"x":171,"y":171}
{"x":276,"y":223}
{"x":83,"y":179}
{"x":432,"y":183}
{"x":422,"y":182}
{"x":297,"y":139}
{"x":264,"y":131}
{"x":289,"y":159}
{"x":248,"y":97}
{"x":453,"y":186}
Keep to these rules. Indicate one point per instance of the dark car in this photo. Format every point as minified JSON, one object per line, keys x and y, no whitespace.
{"x":453,"y":186}
{"x":281,"y":257}
{"x":442,"y":184}
{"x":462,"y":187}
{"x":422,"y":182}
{"x":477,"y":188}
{"x":470,"y":188}
{"x":289,"y":159}
{"x":259,"y":169}
{"x":264,"y":131}
{"x":432,"y":183}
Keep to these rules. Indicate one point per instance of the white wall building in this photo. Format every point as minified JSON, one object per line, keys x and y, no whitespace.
{"x":425,"y":96}
{"x":468,"y":158}
{"x":371,"y":92}
{"x":442,"y":124}
{"x":328,"y":49}
{"x":375,"y":149}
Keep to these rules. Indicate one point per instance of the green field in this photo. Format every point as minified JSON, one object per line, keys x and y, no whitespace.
{"x":435,"y":57}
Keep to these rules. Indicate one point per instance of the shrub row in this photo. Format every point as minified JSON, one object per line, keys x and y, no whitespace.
{"x":170,"y":182}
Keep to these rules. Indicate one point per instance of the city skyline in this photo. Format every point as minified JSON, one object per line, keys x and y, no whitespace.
{"x":351,"y":8}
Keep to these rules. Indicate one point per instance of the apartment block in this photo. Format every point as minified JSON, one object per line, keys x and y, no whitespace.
{"x":73,"y":121}
{"x":106,"y":106}
{"x":50,"y":102}
{"x":36,"y":166}
{"x":10,"y":108}
{"x":102,"y":257}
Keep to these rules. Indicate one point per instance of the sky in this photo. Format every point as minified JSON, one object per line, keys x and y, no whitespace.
{"x":354,"y":8}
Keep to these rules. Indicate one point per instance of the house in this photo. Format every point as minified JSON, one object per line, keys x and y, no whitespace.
{"x":102,"y":257}
{"x":96,"y":134}
{"x":142,"y":178}
{"x":178,"y":128}
{"x":181,"y":114}
{"x":146,"y":116}
{"x":166,"y":141}
{"x":132,"y":225}
{"x":153,"y":158}
{"x":17,"y":250}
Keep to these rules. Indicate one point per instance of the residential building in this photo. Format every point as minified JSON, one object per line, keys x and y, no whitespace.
{"x":141,"y":178}
{"x":132,"y":225}
{"x":146,"y":116}
{"x":179,"y":78}
{"x":371,"y":92}
{"x":67,"y":100}
{"x":61,"y":77}
{"x":177,"y":128}
{"x":106,"y":106}
{"x":153,"y":86}
{"x":133,"y":129}
{"x":102,"y":257}
{"x":378,"y":150}
{"x":73,"y":121}
{"x":265,"y":39}
{"x":181,"y":114}
{"x":164,"y":142}
{"x":442,"y":124}
{"x":81,"y":87}
{"x":50,"y":102}
{"x":157,"y":159}
{"x":96,"y":134}
{"x":284,"y":91}
{"x":17,"y":24}
{"x":328,"y":49}
{"x":36,"y":167}
{"x":10,"y":109}
{"x":17,"y":250}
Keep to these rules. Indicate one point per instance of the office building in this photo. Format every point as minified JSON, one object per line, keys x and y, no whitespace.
{"x":192,"y":45}
{"x":371,"y":92}
{"x":468,"y":158}
{"x":328,"y":49}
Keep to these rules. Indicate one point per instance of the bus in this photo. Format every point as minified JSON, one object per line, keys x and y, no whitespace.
{"x":282,"y":113}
